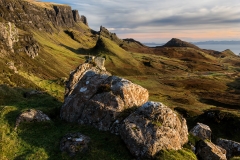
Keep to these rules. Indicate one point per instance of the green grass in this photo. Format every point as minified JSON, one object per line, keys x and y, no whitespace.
{"x":41,"y":140}
{"x":176,"y":155}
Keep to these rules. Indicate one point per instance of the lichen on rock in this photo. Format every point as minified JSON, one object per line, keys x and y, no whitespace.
{"x":96,"y":98}
{"x":153,"y":127}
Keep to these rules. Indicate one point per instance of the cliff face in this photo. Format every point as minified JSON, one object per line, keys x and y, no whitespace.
{"x":38,"y":15}
{"x":18,"y":18}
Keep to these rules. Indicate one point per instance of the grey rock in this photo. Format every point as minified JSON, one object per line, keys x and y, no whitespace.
{"x":96,"y":98}
{"x":202,"y":131}
{"x":206,"y":150}
{"x":151,"y":128}
{"x":232,"y":147}
{"x":74,"y":143}
{"x":31,"y":115}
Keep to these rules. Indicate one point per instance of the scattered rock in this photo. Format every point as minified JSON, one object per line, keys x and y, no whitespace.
{"x":232,"y":147}
{"x":73,"y":143}
{"x":31,"y":115}
{"x":206,"y":150}
{"x":100,"y":62}
{"x":12,"y":67}
{"x":153,"y":127}
{"x":32,"y":49}
{"x":32,"y":93}
{"x":202,"y":131}
{"x":99,"y":99}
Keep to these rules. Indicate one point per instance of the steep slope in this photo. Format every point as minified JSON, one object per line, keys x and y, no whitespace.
{"x":44,"y":41}
{"x":128,"y":44}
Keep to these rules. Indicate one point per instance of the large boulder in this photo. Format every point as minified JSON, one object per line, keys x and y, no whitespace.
{"x":74,"y":143}
{"x":202,"y":131}
{"x":96,"y":98}
{"x":232,"y":147}
{"x":209,"y":151}
{"x":153,"y":127}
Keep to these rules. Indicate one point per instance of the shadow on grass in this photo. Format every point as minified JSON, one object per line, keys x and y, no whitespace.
{"x":41,"y":140}
{"x":82,"y":51}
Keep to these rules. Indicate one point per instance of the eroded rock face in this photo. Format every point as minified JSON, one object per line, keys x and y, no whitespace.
{"x":151,"y":128}
{"x":96,"y":98}
{"x":209,"y":151}
{"x":202,"y":131}
{"x":73,"y":143}
{"x":32,"y":115}
{"x":84,"y":20}
{"x":8,"y":35}
{"x":232,"y":147}
{"x":39,"y":15}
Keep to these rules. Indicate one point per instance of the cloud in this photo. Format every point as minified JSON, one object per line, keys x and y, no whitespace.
{"x":154,"y":16}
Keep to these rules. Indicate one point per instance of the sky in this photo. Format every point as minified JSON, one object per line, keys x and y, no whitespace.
{"x":160,"y":20}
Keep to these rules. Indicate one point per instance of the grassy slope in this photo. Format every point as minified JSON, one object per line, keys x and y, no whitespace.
{"x":170,"y":80}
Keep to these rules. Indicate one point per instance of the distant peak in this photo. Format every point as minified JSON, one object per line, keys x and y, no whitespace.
{"x":175,"y":42}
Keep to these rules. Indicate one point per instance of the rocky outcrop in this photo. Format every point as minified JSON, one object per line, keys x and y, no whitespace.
{"x":209,"y":151}
{"x":112,"y":36}
{"x":76,"y":16}
{"x":96,"y":98}
{"x":74,"y":143}
{"x":153,"y":127}
{"x":174,"y":42}
{"x":31,"y":115}
{"x":232,"y":147}
{"x":12,"y":67}
{"x":84,"y":20}
{"x":8,"y":35}
{"x":202,"y":131}
{"x":38,"y":15}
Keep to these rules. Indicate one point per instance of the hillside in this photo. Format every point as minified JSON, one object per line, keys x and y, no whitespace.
{"x":41,"y":43}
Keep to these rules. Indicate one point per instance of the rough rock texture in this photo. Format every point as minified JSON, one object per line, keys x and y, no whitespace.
{"x":84,"y":20}
{"x":32,"y":115}
{"x":232,"y":147}
{"x":12,"y":67}
{"x":38,"y":15}
{"x":100,"y":62}
{"x":174,"y":42}
{"x":202,"y":131}
{"x":32,"y":49}
{"x":8,"y":35}
{"x":206,"y":150}
{"x":76,"y":16}
{"x":73,"y":143}
{"x":151,"y":128}
{"x":96,"y":98}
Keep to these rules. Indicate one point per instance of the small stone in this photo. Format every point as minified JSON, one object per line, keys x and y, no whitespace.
{"x":232,"y":147}
{"x":202,"y":131}
{"x":209,"y":151}
{"x":73,"y":143}
{"x":31,"y":115}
